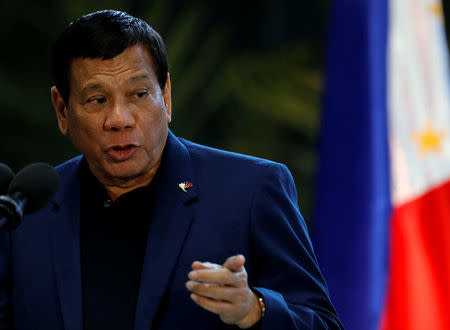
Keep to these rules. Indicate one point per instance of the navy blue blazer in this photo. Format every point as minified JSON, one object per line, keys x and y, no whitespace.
{"x":238,"y":204}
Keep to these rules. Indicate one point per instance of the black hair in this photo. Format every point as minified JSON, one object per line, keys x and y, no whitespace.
{"x":105,"y":34}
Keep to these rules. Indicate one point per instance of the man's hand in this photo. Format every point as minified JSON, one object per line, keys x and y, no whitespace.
{"x":224,"y":290}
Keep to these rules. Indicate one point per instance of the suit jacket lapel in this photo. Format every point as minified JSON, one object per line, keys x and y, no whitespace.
{"x":170,"y":223}
{"x":171,"y":220}
{"x":65,"y":237}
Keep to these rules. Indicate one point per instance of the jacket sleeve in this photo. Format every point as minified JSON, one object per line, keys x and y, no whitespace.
{"x":5,"y":282}
{"x":284,"y":269}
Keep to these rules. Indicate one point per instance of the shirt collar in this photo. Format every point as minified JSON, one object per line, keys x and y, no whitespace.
{"x":94,"y":192}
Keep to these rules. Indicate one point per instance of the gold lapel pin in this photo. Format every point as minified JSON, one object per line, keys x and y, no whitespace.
{"x":185,"y":185}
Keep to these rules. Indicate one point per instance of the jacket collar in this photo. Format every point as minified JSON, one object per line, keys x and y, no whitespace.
{"x":171,"y":220}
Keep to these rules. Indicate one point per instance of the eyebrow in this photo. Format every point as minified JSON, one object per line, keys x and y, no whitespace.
{"x":91,"y":86}
{"x":139,"y":77}
{"x":97,"y":86}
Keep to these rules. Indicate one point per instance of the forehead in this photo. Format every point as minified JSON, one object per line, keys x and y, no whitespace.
{"x":133,"y":61}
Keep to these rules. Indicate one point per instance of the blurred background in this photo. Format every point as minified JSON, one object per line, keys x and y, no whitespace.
{"x":247,"y":76}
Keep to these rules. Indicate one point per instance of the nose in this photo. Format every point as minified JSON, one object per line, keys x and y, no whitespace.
{"x":119,"y":117}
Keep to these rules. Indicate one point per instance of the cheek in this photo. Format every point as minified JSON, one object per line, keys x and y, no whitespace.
{"x":151,"y":121}
{"x":154,"y":131}
{"x":77,"y":128}
{"x":83,"y":132}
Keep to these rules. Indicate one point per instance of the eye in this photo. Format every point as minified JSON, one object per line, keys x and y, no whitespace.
{"x":97,"y":100}
{"x":141,"y":94}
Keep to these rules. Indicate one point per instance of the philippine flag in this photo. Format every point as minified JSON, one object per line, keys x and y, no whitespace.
{"x":382,"y":226}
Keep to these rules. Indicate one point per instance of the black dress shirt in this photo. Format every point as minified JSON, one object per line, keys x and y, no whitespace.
{"x":113,"y":239}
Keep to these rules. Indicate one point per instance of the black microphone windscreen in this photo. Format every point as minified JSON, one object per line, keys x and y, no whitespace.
{"x":6,"y":175}
{"x":38,"y":182}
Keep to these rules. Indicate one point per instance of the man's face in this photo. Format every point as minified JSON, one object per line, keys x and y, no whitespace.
{"x":117,"y":116}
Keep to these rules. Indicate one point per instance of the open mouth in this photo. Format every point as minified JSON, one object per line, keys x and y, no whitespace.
{"x":121,"y":153}
{"x":128,"y":147}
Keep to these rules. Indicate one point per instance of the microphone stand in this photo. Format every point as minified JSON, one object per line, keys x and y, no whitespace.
{"x":11,"y":210}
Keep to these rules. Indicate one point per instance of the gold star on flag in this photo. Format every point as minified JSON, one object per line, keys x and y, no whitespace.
{"x":438,"y":10}
{"x":429,"y":140}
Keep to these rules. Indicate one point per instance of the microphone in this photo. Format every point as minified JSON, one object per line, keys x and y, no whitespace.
{"x":29,"y":190}
{"x":6,"y":175}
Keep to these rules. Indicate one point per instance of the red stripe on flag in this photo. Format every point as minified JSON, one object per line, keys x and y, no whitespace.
{"x":418,"y":296}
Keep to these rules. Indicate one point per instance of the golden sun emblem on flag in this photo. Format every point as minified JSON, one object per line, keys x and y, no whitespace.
{"x":429,"y":140}
{"x":438,"y":10}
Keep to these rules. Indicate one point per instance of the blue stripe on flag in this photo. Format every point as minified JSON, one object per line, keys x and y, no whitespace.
{"x":353,"y":201}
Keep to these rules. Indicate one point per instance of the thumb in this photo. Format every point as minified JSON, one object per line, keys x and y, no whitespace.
{"x":235,"y":263}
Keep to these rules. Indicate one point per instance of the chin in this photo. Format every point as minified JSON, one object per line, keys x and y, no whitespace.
{"x":125,"y":175}
{"x":126,"y":172}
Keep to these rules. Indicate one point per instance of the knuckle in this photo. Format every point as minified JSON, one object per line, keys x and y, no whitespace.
{"x":241,"y":278}
{"x":205,"y":288}
{"x":225,"y":273}
{"x":214,"y":292}
{"x":198,"y":287}
{"x":240,"y":296}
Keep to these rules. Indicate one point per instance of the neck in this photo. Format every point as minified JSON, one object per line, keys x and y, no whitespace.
{"x":114,"y":192}
{"x":116,"y":187}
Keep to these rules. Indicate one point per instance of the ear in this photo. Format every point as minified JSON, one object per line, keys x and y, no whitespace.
{"x":60,"y":109}
{"x":168,"y":99}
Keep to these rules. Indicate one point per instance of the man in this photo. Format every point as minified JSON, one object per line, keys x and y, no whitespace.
{"x":147,"y":230}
